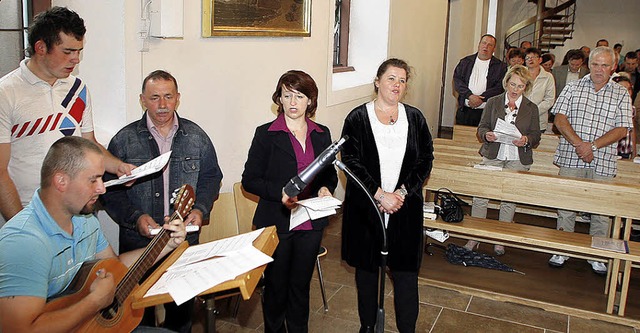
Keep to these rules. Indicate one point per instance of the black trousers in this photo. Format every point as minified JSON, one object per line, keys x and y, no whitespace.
{"x":405,"y":295}
{"x":287,"y":280}
{"x":468,"y":116}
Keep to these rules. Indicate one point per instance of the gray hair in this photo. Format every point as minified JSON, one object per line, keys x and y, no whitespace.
{"x":600,"y":50}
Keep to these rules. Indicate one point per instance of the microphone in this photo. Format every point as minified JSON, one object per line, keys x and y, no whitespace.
{"x":299,"y":182}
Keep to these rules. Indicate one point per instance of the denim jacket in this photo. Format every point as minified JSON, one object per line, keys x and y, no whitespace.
{"x":193,"y":161}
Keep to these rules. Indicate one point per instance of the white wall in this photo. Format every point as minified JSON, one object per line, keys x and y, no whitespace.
{"x":465,"y":29}
{"x":617,"y":21}
{"x":102,"y":66}
{"x":226,"y":82}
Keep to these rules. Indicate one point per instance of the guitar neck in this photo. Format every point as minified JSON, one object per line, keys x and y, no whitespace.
{"x":146,"y":261}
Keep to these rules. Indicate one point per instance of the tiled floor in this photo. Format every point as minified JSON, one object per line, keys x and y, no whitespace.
{"x":441,"y":310}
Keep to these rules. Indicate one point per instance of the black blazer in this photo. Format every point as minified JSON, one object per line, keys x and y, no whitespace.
{"x":361,"y":230}
{"x":462,"y":74}
{"x":271,"y":163}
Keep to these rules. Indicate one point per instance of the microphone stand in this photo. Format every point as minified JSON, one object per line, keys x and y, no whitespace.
{"x":383,"y":250}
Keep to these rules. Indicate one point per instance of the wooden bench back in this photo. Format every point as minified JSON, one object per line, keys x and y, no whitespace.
{"x":537,"y":189}
{"x":548,"y":142}
{"x":444,"y":149}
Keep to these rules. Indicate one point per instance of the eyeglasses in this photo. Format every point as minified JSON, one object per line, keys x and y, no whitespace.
{"x":517,"y":86}
{"x":531,"y":57}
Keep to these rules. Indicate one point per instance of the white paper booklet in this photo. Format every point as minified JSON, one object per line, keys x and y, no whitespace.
{"x":506,"y":132}
{"x":204,"y":266}
{"x":487,"y":167}
{"x":605,"y":243}
{"x":313,"y":209}
{"x":148,"y":168}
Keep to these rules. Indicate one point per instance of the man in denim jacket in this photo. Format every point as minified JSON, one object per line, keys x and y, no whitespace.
{"x":142,"y":207}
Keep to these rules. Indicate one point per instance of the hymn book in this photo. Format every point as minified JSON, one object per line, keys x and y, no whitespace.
{"x":610,"y":244}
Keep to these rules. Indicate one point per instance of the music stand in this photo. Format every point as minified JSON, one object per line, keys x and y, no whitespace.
{"x":244,"y":284}
{"x":383,"y":250}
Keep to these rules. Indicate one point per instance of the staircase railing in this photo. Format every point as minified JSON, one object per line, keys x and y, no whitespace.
{"x":548,"y":29}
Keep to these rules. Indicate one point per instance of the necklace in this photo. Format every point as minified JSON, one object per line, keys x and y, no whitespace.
{"x":301,"y":129}
{"x":391,"y":120}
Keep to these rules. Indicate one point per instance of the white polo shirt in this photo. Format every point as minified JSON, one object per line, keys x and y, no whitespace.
{"x":33,"y":115}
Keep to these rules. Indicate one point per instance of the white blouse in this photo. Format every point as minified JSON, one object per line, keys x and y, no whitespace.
{"x":391,"y":141}
{"x":509,"y":152}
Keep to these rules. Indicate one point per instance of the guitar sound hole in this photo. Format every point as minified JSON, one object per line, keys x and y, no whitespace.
{"x":111,"y":311}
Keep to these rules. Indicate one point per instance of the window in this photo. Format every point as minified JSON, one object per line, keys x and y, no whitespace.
{"x":16,"y":16}
{"x":341,"y":37}
{"x":368,"y":47}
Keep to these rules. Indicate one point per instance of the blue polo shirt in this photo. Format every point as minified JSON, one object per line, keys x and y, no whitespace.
{"x":38,"y":258}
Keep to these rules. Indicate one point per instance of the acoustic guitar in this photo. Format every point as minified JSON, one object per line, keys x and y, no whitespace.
{"x":120,"y":316}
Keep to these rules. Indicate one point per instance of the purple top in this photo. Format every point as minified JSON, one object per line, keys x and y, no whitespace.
{"x":303,"y":157}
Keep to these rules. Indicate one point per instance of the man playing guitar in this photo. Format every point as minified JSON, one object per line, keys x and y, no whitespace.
{"x":44,"y":246}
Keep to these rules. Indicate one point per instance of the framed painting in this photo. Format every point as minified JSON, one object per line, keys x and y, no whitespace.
{"x":256,"y":18}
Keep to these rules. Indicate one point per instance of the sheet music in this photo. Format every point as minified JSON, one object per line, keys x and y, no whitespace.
{"x":313,"y":209}
{"x":204,"y":267}
{"x":213,"y":272}
{"x":220,"y":247}
{"x":148,"y":168}
{"x":506,"y":132}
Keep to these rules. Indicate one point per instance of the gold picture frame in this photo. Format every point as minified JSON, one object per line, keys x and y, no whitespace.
{"x":256,"y":18}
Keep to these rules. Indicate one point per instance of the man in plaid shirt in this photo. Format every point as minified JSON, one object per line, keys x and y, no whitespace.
{"x":592,"y":114}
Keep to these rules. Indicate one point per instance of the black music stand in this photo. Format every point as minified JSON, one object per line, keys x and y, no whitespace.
{"x":383,"y":251}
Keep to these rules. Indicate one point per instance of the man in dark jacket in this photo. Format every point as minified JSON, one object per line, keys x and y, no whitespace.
{"x":139,"y":209}
{"x":477,"y":78}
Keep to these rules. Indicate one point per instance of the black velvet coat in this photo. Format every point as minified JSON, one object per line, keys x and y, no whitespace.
{"x":271,"y":163}
{"x":361,"y":230}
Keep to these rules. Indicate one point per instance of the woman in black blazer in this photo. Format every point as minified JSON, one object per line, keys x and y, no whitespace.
{"x":279,"y":151}
{"x":391,"y":151}
{"x":517,"y":154}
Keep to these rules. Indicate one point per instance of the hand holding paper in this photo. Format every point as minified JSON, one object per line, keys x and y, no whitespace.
{"x":146,"y":169}
{"x":506,"y":132}
{"x":313,"y":209}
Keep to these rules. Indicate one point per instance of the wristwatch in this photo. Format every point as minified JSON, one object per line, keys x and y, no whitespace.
{"x":593,"y":146}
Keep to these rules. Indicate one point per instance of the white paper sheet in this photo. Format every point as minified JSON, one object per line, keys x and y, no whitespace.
{"x":227,"y":258}
{"x":148,"y":168}
{"x":220,"y":247}
{"x":313,"y":209}
{"x":506,"y":132}
{"x":210,"y":273}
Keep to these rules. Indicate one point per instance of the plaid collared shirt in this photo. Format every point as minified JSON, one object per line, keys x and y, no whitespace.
{"x":591,"y":115}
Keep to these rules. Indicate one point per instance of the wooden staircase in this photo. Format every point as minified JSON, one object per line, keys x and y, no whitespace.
{"x":550,"y":28}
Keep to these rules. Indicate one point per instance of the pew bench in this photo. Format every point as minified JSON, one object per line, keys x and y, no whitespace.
{"x":552,"y":241}
{"x":548,"y":141}
{"x":610,"y":198}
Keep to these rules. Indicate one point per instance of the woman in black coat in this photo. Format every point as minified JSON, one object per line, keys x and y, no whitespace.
{"x":390,"y":149}
{"x":279,"y":151}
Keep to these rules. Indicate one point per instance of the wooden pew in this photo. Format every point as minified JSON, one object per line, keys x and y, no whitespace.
{"x":542,"y":160}
{"x":610,"y":198}
{"x":548,"y":142}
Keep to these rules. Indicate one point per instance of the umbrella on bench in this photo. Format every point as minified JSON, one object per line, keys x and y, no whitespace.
{"x":458,"y":255}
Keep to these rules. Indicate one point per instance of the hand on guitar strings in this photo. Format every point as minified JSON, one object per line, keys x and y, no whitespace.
{"x":103,"y":288}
